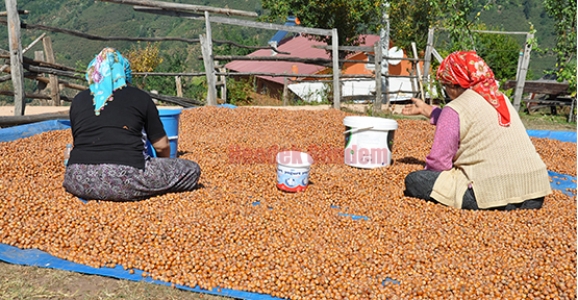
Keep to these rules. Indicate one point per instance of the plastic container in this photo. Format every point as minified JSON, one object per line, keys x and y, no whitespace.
{"x":67,"y":151}
{"x":368,"y":141}
{"x":293,"y":169}
{"x":170,"y":119}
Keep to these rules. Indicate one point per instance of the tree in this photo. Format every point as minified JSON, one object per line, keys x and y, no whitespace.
{"x":410,"y":19}
{"x":145,"y":59}
{"x":347,"y":16}
{"x":564,"y":14}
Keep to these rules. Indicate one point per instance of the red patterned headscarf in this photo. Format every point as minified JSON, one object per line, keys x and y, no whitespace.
{"x":468,"y":70}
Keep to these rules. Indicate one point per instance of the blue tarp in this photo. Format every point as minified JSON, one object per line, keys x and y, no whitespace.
{"x":34,"y":257}
{"x":564,"y":136}
{"x":22,"y":131}
{"x":37,"y":258}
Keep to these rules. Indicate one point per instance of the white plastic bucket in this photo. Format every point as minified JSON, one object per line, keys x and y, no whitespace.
{"x":368,"y":141}
{"x":293,"y":171}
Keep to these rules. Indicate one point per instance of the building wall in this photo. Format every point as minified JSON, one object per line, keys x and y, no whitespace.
{"x":402,"y":68}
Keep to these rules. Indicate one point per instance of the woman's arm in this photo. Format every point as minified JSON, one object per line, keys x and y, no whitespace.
{"x":162,"y":147}
{"x":446,"y":141}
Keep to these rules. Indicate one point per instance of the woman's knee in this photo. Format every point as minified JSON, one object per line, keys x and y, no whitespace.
{"x":420,"y":184}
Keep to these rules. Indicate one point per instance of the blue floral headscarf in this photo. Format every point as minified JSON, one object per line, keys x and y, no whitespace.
{"x":106,"y":73}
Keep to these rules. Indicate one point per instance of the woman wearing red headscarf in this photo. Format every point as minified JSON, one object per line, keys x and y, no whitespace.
{"x":481,"y":156}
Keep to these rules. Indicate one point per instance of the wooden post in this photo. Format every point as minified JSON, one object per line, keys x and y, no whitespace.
{"x":207,"y":50}
{"x":418,"y":72}
{"x":378,"y":95}
{"x":16,"y":70}
{"x":384,"y":39}
{"x":41,"y":86}
{"x":285,"y":91}
{"x":520,"y":59}
{"x":54,"y":91}
{"x":427,"y":60}
{"x":428,"y":53}
{"x":523,"y":71}
{"x":179,"y":86}
{"x":336,"y":70}
{"x":223,"y":80}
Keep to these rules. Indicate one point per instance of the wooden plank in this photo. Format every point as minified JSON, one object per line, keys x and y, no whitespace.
{"x":6,"y":121}
{"x":29,"y":61}
{"x":186,"y":7}
{"x":20,"y":11}
{"x":145,"y":39}
{"x":60,"y":82}
{"x":16,"y":71}
{"x":33,"y":43}
{"x":33,"y":95}
{"x":54,"y":89}
{"x":245,"y":23}
{"x":313,"y":61}
{"x":547,"y":87}
{"x":497,"y":32}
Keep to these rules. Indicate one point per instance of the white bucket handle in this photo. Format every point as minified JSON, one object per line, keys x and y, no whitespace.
{"x":352,"y":130}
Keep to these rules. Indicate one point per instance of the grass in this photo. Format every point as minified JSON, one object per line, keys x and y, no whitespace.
{"x":23,"y":282}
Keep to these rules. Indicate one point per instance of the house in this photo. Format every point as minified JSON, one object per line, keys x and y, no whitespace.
{"x":314,"y":89}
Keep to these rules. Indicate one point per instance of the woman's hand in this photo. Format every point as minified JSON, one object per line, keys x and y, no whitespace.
{"x":418,"y":107}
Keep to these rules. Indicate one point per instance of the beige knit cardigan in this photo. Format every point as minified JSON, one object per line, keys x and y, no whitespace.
{"x":500,"y":163}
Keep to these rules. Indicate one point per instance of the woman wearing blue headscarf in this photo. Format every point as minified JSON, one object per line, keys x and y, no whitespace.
{"x":110,"y":125}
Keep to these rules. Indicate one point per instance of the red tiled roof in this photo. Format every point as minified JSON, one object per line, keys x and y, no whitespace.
{"x":299,"y":46}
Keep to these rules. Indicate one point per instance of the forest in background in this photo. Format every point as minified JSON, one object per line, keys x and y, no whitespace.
{"x":111,"y":19}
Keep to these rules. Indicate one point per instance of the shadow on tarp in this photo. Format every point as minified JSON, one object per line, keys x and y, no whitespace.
{"x":34,"y":257}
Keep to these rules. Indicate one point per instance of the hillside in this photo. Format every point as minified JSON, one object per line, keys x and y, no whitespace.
{"x":111,"y":19}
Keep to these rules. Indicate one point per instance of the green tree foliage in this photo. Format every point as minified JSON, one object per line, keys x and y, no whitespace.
{"x":144,"y":59}
{"x":501,"y":52}
{"x":410,"y":21}
{"x":239,"y":91}
{"x":564,"y":13}
{"x":347,"y":16}
{"x":165,"y":85}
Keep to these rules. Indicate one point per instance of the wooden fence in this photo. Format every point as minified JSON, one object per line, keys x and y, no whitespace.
{"x":21,"y":66}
